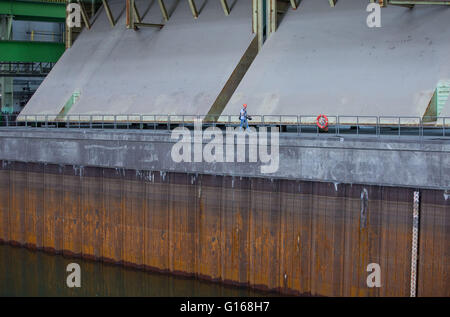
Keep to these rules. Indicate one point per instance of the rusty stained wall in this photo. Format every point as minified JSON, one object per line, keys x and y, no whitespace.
{"x":292,"y":236}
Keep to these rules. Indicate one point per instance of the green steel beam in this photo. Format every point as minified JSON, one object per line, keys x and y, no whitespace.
{"x":23,"y":51}
{"x":35,"y":11}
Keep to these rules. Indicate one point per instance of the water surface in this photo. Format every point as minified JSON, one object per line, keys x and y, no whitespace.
{"x":35,"y":273}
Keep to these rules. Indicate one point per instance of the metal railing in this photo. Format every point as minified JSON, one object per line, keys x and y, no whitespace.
{"x":299,"y":124}
{"x":19,"y":69}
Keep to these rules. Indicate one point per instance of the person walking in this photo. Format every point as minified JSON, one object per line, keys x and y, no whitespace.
{"x":244,"y":117}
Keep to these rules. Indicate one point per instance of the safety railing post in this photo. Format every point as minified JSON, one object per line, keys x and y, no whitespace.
{"x":398,"y":126}
{"x":357,"y":125}
{"x":317,"y":130}
{"x":377,"y":127}
{"x":300,"y":124}
{"x":420,"y":127}
{"x":443,"y":126}
{"x":141,"y":125}
{"x":338,"y":120}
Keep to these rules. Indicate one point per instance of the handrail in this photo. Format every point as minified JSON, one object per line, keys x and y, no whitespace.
{"x":411,"y":126}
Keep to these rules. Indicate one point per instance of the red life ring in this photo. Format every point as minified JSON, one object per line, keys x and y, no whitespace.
{"x":322,"y":121}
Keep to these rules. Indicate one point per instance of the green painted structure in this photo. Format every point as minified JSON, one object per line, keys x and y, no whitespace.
{"x":442,"y":94}
{"x":29,"y":51}
{"x":34,"y":11}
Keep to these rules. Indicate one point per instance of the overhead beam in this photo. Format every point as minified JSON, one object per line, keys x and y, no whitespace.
{"x":226,"y":8}
{"x":409,"y":6}
{"x":35,"y":11}
{"x":154,"y":25}
{"x":163,"y":9}
{"x":109,"y":13}
{"x":193,"y":8}
{"x":30,"y":51}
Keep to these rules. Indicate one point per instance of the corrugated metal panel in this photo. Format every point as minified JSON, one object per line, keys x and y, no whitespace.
{"x":291,"y":236}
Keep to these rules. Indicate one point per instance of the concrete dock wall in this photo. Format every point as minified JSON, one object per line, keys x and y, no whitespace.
{"x":404,"y":162}
{"x":334,"y":206}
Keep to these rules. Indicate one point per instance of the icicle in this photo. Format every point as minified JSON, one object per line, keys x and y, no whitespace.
{"x":336,"y":186}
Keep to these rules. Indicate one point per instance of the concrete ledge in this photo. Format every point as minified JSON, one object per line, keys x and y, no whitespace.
{"x":401,"y":162}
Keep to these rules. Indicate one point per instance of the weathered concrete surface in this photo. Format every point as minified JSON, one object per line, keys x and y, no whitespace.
{"x":180,"y":69}
{"x":393,"y":162}
{"x":326,"y":60}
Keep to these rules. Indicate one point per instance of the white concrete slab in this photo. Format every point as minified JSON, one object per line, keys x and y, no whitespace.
{"x":326,"y":60}
{"x":180,"y":69}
